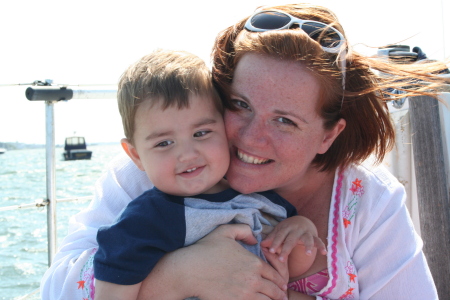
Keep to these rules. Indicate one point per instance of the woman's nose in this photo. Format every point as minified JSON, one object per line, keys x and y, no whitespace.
{"x":254,"y":132}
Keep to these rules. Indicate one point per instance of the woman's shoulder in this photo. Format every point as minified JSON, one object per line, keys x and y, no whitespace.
{"x":374,"y":176}
{"x":371,"y":187}
{"x":370,"y":190}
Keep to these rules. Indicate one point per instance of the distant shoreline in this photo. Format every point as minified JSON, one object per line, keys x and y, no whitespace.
{"x":22,"y":146}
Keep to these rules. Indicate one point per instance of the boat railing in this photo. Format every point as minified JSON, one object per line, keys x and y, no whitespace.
{"x":43,"y":202}
{"x":45,"y":91}
{"x":39,"y":203}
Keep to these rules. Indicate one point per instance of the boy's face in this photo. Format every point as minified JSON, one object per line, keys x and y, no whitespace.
{"x":183,"y":151}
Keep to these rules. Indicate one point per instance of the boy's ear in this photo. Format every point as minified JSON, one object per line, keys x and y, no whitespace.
{"x":132,"y":153}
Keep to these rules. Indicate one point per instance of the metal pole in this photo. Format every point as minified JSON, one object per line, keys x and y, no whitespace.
{"x":51,"y":94}
{"x":51,"y":179}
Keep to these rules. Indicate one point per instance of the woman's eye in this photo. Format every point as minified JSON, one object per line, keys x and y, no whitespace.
{"x":239,"y":103}
{"x":201,"y":133}
{"x":285,"y":121}
{"x":164,"y":144}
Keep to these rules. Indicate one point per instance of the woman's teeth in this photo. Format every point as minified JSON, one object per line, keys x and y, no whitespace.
{"x":251,"y":159}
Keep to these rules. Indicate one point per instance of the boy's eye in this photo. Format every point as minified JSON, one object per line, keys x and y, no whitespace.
{"x":201,"y":133}
{"x":239,"y":103}
{"x":285,"y":121}
{"x":164,"y":144}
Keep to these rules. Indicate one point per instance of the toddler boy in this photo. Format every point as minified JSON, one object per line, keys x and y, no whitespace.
{"x":172,"y":119}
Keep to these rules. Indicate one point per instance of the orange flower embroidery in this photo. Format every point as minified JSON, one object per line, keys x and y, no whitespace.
{"x":347,"y":222}
{"x":347,"y":293}
{"x":81,"y":284}
{"x":352,"y":277}
{"x":357,"y":182}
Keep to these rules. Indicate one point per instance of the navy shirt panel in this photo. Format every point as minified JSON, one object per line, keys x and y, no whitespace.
{"x":149,"y":227}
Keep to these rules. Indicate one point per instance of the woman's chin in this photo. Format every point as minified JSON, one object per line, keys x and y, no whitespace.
{"x":245,"y":182}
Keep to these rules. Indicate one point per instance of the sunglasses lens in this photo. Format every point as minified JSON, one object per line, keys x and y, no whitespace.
{"x":270,"y":20}
{"x":324,"y":35}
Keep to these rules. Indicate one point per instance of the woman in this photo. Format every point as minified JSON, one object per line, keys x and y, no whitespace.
{"x":303,"y":114}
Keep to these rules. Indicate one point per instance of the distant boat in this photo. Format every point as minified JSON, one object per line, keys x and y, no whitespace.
{"x":2,"y":150}
{"x":75,"y":148}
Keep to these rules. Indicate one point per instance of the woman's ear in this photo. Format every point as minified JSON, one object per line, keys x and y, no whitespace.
{"x":331,"y":135}
{"x":131,"y":151}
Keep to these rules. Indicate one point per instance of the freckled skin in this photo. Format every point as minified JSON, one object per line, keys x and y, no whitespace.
{"x":277,"y":120}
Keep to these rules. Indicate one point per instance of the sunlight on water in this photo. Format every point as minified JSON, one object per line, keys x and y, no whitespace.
{"x":23,"y":232}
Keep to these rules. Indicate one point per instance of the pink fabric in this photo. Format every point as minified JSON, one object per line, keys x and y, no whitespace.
{"x":311,"y":284}
{"x":335,"y":234}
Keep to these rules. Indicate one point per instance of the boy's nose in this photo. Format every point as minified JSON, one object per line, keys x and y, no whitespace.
{"x":187,"y":152}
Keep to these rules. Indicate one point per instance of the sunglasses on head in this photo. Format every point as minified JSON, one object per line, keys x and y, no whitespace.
{"x":328,"y":37}
{"x":331,"y":40}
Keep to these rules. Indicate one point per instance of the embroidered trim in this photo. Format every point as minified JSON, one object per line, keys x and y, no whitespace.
{"x":349,"y":211}
{"x":337,"y":202}
{"x":86,"y":282}
{"x":350,"y":270}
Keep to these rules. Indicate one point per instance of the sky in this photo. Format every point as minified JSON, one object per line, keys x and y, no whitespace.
{"x":93,"y":42}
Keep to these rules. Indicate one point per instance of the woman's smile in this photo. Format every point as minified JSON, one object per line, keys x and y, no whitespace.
{"x":251,"y":159}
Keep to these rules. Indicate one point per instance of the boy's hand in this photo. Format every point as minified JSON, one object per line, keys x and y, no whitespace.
{"x":293,"y":231}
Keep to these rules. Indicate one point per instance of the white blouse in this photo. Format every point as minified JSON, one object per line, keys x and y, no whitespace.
{"x":373,"y":250}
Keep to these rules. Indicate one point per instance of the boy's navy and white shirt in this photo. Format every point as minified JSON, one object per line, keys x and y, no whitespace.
{"x":156,"y":223}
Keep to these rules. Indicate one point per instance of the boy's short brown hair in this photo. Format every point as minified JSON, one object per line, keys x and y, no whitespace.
{"x":165,"y":76}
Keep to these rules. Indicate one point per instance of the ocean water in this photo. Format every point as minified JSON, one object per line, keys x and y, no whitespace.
{"x":23,"y":232}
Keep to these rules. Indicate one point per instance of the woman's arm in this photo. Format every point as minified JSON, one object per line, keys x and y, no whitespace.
{"x":71,"y":274}
{"x":216,"y":267}
{"x":110,"y":291}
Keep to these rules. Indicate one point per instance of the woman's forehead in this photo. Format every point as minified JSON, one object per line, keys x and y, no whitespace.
{"x":263,"y":73}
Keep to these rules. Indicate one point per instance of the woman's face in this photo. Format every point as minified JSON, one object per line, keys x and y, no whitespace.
{"x":276,"y":131}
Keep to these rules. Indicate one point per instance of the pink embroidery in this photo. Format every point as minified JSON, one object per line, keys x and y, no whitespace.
{"x":357,"y":188}
{"x":335,"y":234}
{"x":350,"y":270}
{"x":311,"y":284}
{"x":349,"y":267}
{"x":350,"y":210}
{"x":346,"y":213}
{"x":86,"y":282}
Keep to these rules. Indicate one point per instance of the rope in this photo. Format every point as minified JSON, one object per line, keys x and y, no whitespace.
{"x":29,"y":295}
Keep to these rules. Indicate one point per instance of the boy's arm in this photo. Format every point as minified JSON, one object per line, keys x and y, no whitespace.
{"x":297,"y":238}
{"x":111,"y":291}
{"x":293,"y":231}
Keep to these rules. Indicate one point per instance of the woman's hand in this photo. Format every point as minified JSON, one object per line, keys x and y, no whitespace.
{"x":215,"y":268}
